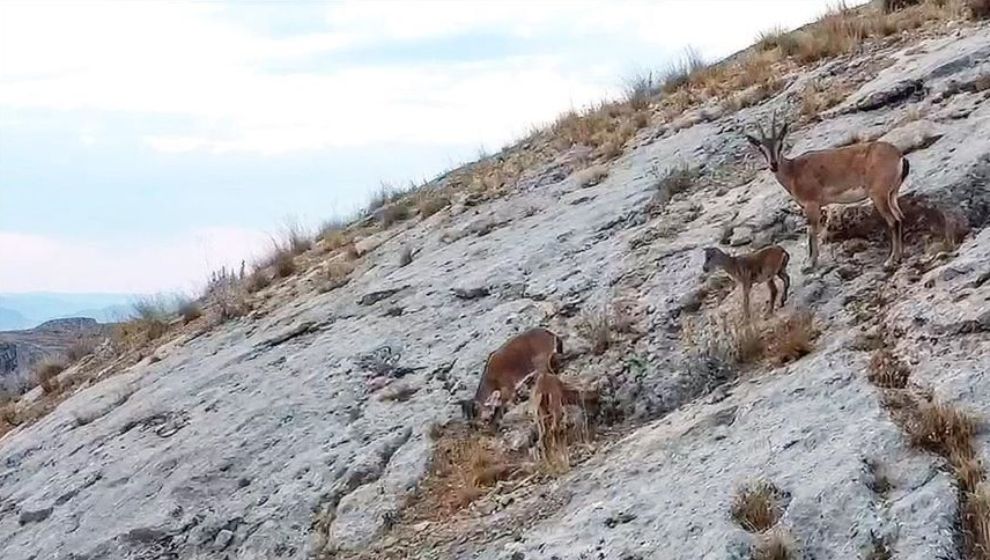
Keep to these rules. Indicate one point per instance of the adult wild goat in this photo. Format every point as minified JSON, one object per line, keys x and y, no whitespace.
{"x":761,"y":266}
{"x":847,"y":175}
{"x":509,"y":366}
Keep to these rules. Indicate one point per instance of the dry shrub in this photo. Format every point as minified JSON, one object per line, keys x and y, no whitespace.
{"x":81,"y":348}
{"x":335,"y":234}
{"x":673,"y":180}
{"x":597,"y":326}
{"x":817,"y":97}
{"x":296,"y":239}
{"x":284,"y":264}
{"x":352,"y":252}
{"x":775,"y":545}
{"x":466,"y":464}
{"x":258,"y":280}
{"x":8,"y":414}
{"x":756,"y":506}
{"x":679,"y":72}
{"x":791,"y":338}
{"x":887,"y":370}
{"x":591,"y":176}
{"x":337,"y":274}
{"x":385,"y":194}
{"x":744,"y":343}
{"x":189,"y":309}
{"x":46,"y":373}
{"x":942,"y":429}
{"x":640,"y":88}
{"x":976,"y":521}
{"x":429,"y":203}
{"x":392,"y":214}
{"x":150,"y":317}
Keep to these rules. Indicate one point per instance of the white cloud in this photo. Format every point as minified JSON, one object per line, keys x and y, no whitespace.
{"x":183,"y":262}
{"x":184,"y":59}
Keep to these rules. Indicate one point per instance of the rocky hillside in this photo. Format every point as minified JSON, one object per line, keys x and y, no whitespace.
{"x":21,"y":350}
{"x":324,"y":423}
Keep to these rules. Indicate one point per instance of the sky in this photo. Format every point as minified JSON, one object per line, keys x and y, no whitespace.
{"x":146,"y":143}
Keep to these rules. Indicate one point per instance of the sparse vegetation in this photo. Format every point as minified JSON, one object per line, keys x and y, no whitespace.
{"x":466,"y":464}
{"x":150,"y":317}
{"x":189,"y":309}
{"x":887,"y":371}
{"x":756,"y":506}
{"x":226,"y":292}
{"x":392,"y":213}
{"x":596,"y":326}
{"x":640,"y":88}
{"x":46,"y":373}
{"x":429,"y":203}
{"x":774,"y":545}
{"x":791,"y":337}
{"x":81,"y":348}
{"x":337,"y":274}
{"x":591,"y":176}
{"x":296,"y":239}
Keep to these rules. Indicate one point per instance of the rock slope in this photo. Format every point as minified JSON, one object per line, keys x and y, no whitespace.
{"x":231,"y":443}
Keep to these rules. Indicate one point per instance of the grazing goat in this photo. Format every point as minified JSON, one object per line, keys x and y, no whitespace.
{"x":761,"y":266}
{"x":847,"y":175}
{"x":511,"y":365}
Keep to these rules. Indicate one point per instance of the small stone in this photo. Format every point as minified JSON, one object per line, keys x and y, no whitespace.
{"x":741,"y":236}
{"x":223,"y":539}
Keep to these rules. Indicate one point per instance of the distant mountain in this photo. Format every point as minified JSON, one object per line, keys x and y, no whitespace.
{"x":26,"y":310}
{"x":21,"y":349}
{"x":12,"y":320}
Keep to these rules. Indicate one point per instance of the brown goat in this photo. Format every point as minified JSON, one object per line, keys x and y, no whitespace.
{"x":746,"y":270}
{"x":547,"y":401}
{"x":509,"y":366}
{"x":873,"y":170}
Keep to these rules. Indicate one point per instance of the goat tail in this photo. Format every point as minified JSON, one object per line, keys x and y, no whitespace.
{"x":905,"y":167}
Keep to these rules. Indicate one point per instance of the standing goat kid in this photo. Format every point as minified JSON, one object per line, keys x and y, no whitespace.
{"x":848,"y":175}
{"x":746,"y":270}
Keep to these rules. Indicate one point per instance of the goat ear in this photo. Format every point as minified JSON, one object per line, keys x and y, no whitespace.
{"x":752,"y":140}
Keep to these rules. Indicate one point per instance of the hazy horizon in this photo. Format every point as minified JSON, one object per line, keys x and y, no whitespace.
{"x":143,"y":144}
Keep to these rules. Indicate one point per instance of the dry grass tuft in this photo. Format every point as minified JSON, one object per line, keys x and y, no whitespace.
{"x":189,"y":309}
{"x":976,"y":521}
{"x":81,"y":348}
{"x":942,"y":429}
{"x":756,"y":506}
{"x":775,"y":545}
{"x":466,"y":464}
{"x":150,"y":317}
{"x":591,"y":176}
{"x":791,"y":337}
{"x":887,"y":370}
{"x":429,"y":203}
{"x":337,"y":274}
{"x":817,"y":97}
{"x":640,"y":88}
{"x":46,"y":373}
{"x":296,"y":239}
{"x":393,"y":214}
{"x":258,"y":280}
{"x":284,"y":263}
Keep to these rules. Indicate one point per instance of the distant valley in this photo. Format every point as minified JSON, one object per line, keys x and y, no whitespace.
{"x":28,"y":310}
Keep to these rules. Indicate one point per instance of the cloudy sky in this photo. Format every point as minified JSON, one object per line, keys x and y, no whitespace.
{"x":143,"y":144}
